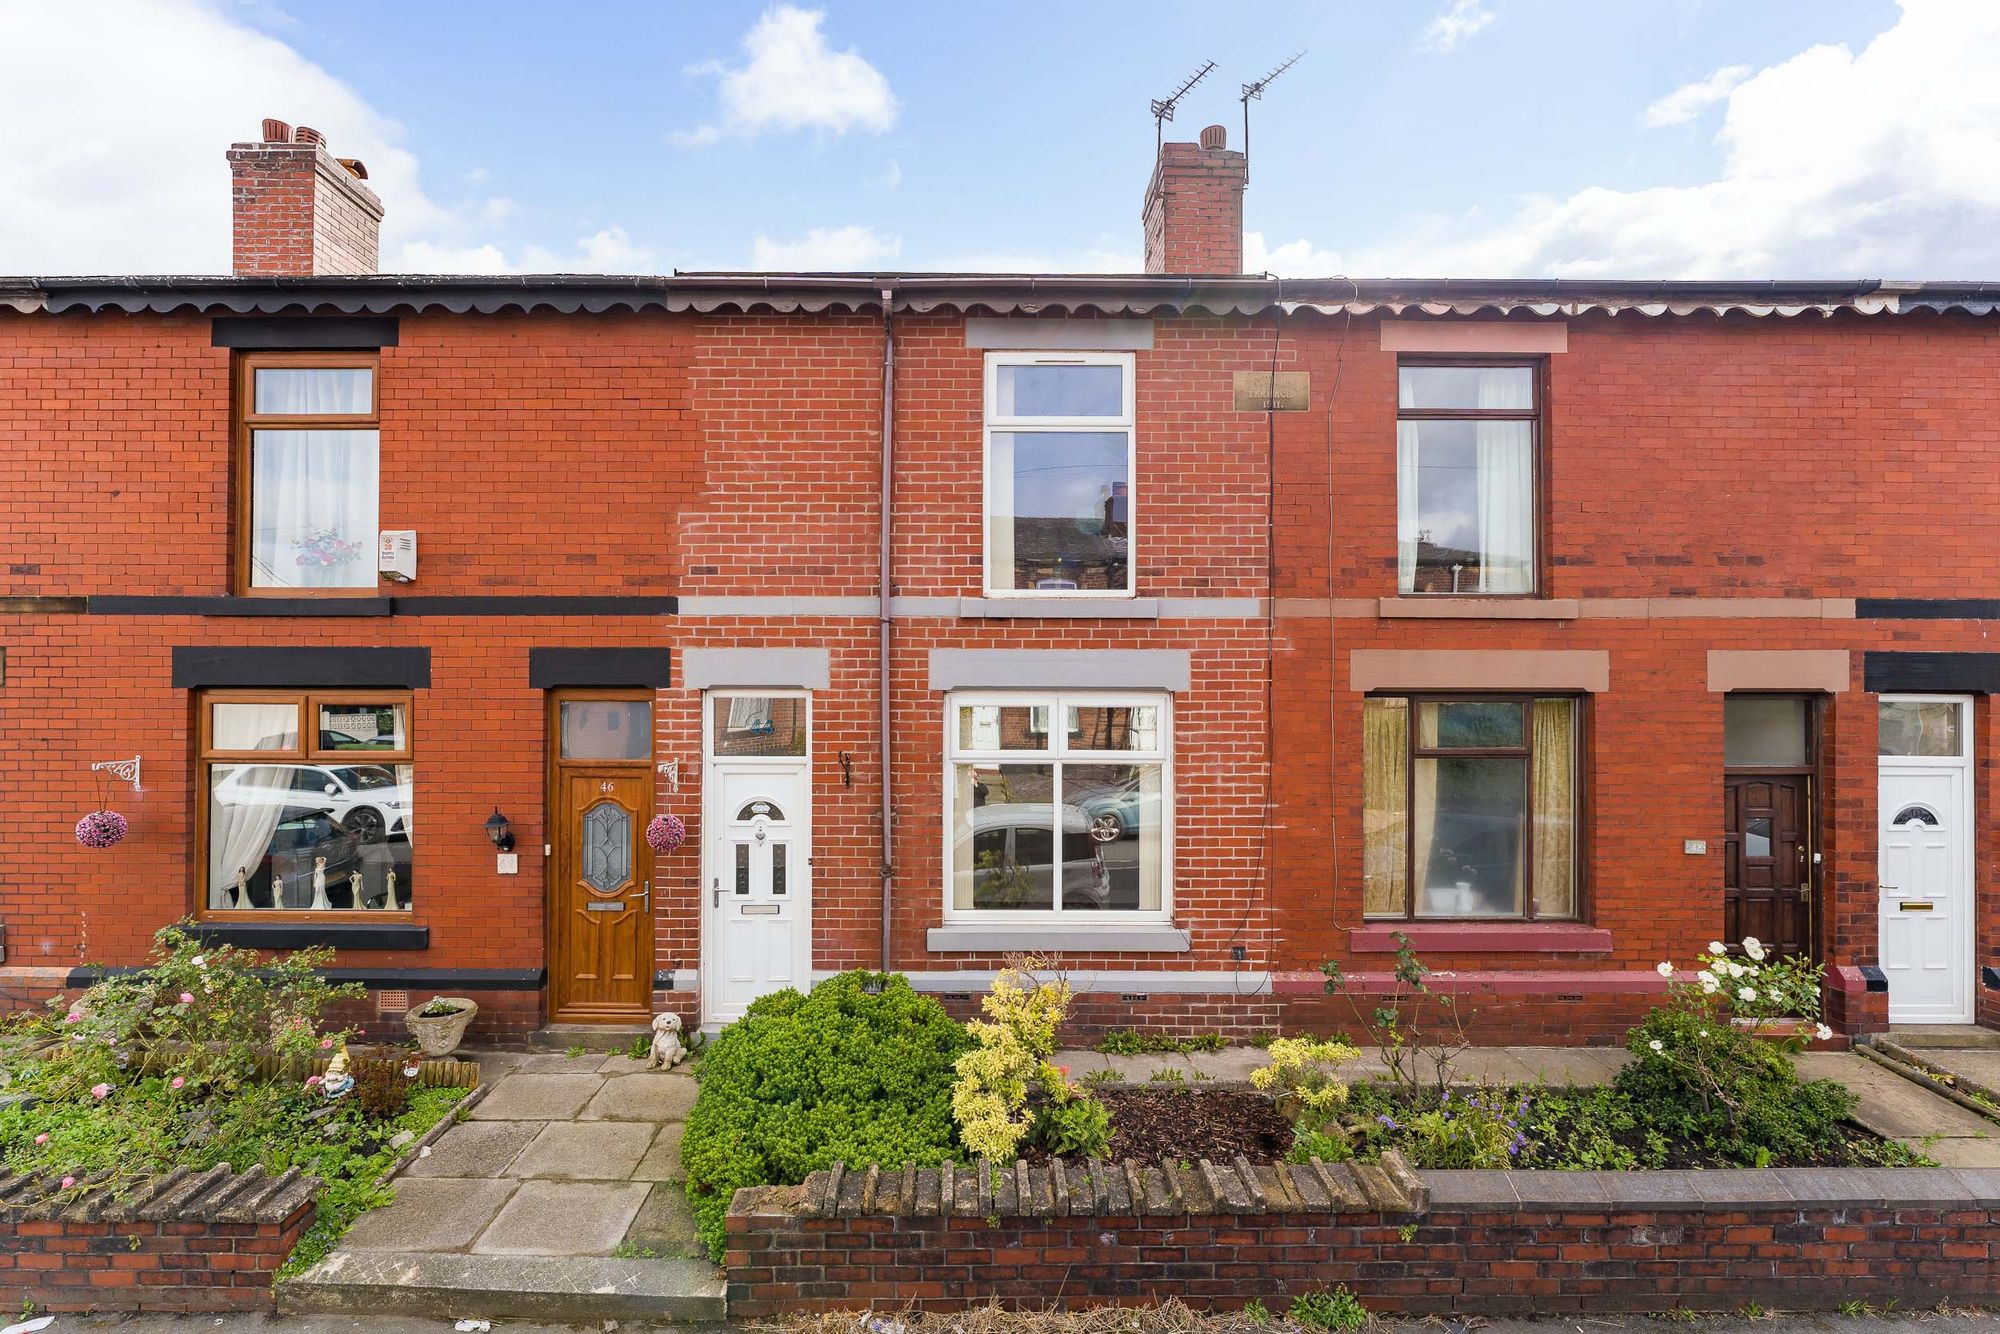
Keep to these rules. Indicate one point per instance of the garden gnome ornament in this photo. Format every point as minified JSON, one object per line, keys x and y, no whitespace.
{"x":336,"y":1081}
{"x":668,"y":1051}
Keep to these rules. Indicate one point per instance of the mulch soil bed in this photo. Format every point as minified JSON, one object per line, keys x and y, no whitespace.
{"x":1186,"y":1124}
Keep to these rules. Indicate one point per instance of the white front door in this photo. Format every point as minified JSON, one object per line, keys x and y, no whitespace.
{"x":1924,"y":815}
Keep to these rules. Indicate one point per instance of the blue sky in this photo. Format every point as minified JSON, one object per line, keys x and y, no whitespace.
{"x":1801,"y":138}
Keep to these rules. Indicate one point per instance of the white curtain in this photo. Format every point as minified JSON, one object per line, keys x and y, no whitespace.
{"x":1408,"y":514}
{"x":313,"y":390}
{"x":239,"y":833}
{"x":1506,"y":486}
{"x":318,"y":487}
{"x":1506,"y":506}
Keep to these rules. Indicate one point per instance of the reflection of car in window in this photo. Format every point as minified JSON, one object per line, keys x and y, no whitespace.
{"x":368,"y":799}
{"x":1012,"y":863}
{"x":1116,"y":808}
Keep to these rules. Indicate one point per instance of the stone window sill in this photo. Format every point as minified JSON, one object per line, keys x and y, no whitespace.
{"x":1133,"y":609}
{"x":1151,"y":938}
{"x":1482,"y":937}
{"x":1478,"y":609}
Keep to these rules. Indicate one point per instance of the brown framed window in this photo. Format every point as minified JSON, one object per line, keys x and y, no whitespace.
{"x":308,"y":467}
{"x":1471,"y":806}
{"x":1468,"y":445}
{"x":305,"y":803}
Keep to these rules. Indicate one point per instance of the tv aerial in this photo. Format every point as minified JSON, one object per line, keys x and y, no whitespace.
{"x":1163,"y":108}
{"x":1256,"y":90}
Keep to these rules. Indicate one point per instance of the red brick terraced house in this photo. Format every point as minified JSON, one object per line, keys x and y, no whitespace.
{"x":1192,"y":628}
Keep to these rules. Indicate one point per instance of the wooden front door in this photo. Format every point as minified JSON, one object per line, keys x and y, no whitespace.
{"x":1767,"y":861}
{"x":601,"y":889}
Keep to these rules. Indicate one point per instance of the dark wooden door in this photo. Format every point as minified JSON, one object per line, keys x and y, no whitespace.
{"x":600,"y":898}
{"x":1767,"y":863}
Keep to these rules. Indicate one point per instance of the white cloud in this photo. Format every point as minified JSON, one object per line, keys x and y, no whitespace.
{"x":825,"y":249}
{"x":124,"y":173}
{"x":892,"y":175}
{"x":1290,"y":259}
{"x":1689,"y":100}
{"x":792,"y":80}
{"x":1459,"y":20}
{"x":1882,"y":163}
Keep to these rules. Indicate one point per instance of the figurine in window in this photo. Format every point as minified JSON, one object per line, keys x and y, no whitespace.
{"x":320,"y":901}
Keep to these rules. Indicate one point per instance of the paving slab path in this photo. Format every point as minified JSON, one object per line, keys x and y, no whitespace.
{"x":559,"y":1195}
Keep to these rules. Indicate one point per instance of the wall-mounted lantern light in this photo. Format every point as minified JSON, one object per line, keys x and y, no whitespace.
{"x":499,"y":831}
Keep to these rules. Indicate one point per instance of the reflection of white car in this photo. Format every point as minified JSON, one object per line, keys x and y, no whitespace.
{"x":1012,"y":858}
{"x":364,"y":799}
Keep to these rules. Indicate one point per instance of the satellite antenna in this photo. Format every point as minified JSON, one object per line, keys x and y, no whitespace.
{"x":1163,"y":108}
{"x":1256,"y":90}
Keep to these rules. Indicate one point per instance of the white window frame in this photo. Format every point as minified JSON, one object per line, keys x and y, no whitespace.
{"x":1056,"y":752}
{"x":1126,"y":422}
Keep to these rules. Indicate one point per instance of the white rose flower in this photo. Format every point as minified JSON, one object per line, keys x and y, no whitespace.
{"x":1824,"y":1033}
{"x":1717,"y":947}
{"x":1734,"y":968}
{"x":1709,"y":984}
{"x":1664,"y":969}
{"x":1753,"y":948}
{"x":1747,"y":993}
{"x":1703,"y":1033}
{"x":1657,"y":1045}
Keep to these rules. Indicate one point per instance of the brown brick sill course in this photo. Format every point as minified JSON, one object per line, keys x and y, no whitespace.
{"x":1220,"y":1235}
{"x":185,"y":1241}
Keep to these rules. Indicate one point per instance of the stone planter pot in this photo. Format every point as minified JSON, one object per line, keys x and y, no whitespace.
{"x":439,"y":1035}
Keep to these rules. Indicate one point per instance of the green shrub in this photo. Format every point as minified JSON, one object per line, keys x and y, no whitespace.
{"x":1081,"y":1126}
{"x":857,"y":1070}
{"x":1697,"y":1077}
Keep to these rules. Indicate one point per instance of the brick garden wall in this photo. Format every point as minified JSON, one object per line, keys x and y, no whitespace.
{"x":182,"y":1243}
{"x":1456,"y":1243}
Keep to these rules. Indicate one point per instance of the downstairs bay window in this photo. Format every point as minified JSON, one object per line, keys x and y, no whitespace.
{"x":1470,"y":807}
{"x":305,"y":803}
{"x":1057,"y":806}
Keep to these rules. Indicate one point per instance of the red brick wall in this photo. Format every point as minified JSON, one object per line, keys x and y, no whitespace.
{"x":736,"y":455}
{"x":1193,"y":212}
{"x":1691,"y":458}
{"x":1454,"y":1261}
{"x":144,"y":1266}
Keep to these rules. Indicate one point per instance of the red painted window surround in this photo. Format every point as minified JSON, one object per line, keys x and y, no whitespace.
{"x":1482,"y":937}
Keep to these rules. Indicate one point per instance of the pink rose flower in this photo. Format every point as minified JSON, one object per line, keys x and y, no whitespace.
{"x":326,"y":1044}
{"x":187,"y":998}
{"x":312,"y":1081}
{"x":72,"y":1017}
{"x":178,"y":1082}
{"x":100,"y":1090}
{"x":68,"y":1182}
{"x":42,"y":1138}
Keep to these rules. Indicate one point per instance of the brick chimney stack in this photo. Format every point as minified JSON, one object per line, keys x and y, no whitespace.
{"x":1194,"y":207}
{"x":299,"y":211}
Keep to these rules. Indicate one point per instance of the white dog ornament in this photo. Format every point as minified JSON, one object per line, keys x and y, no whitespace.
{"x":667,"y":1049}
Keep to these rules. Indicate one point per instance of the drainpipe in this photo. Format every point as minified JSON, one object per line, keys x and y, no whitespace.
{"x":883,"y":508}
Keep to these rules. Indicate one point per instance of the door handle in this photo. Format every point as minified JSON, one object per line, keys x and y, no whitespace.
{"x":647,"y":907}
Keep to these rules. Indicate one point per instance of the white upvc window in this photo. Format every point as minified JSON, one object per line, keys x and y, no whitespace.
{"x":1058,"y":805}
{"x":1061,"y":474}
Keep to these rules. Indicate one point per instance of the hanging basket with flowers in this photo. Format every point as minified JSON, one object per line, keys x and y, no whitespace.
{"x":665,"y":833}
{"x":101,"y":829}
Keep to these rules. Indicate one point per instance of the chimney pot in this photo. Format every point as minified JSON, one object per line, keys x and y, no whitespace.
{"x":1215,"y":136}
{"x":306,"y":134}
{"x":276,"y":131}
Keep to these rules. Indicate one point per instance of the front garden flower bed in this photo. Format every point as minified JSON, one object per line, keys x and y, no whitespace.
{"x":209,"y":1059}
{"x":865,"y":1072}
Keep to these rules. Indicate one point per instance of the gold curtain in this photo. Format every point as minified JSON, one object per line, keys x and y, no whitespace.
{"x":1552,"y":799}
{"x":1385,"y":757}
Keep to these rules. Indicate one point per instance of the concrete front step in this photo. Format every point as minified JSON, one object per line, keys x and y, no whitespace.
{"x":1941,"y":1036}
{"x":449,"y":1286}
{"x":590,"y":1037}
